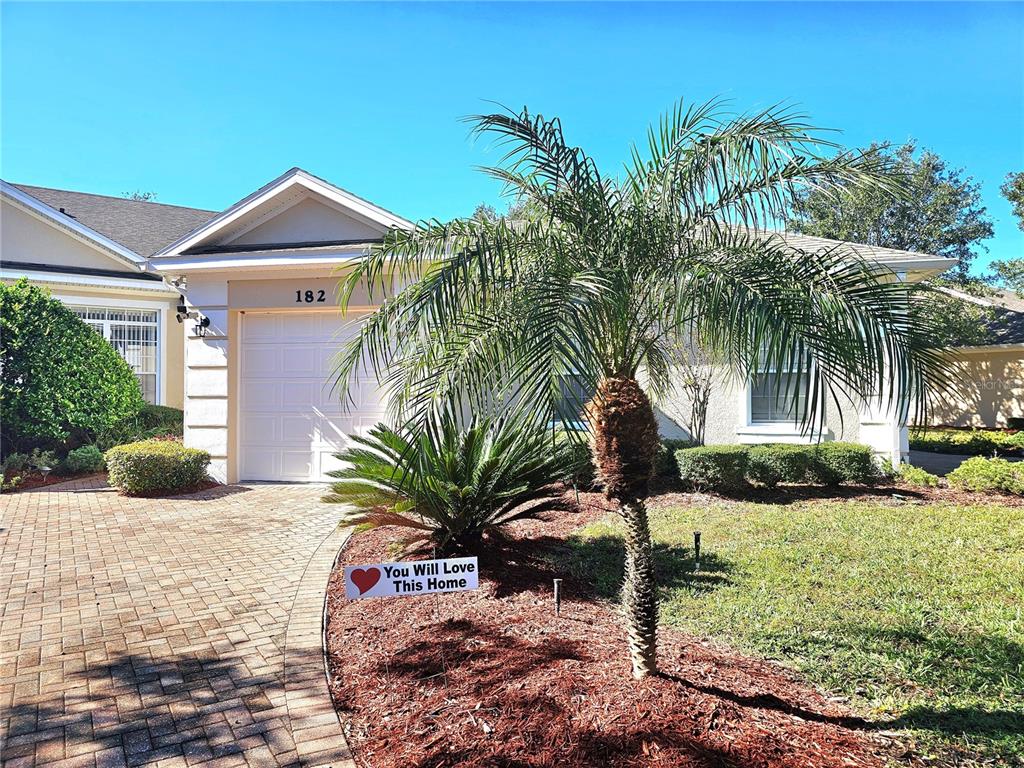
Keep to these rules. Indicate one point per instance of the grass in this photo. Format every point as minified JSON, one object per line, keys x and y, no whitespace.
{"x":914,"y":612}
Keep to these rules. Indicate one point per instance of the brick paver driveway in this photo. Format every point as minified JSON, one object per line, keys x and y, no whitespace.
{"x":165,"y":631}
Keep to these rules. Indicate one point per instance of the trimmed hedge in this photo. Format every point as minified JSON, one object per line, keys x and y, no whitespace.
{"x":665,"y":464}
{"x":713,"y":467}
{"x":730,"y":467}
{"x":838,"y":462}
{"x":57,"y":375}
{"x":975,"y":442}
{"x":989,"y":475}
{"x":779,"y":463}
{"x":156,"y":466}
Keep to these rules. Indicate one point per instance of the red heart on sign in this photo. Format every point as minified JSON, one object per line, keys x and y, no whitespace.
{"x":364,"y":578}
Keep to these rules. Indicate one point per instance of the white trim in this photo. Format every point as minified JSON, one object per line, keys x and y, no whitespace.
{"x":295,"y":177}
{"x":63,"y":278}
{"x":259,"y":259}
{"x":161,"y":329}
{"x":60,"y":220}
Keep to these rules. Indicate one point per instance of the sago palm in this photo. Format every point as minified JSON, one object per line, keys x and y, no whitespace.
{"x":603,"y":278}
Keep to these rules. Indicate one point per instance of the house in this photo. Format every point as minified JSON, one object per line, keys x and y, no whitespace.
{"x":990,"y":369}
{"x":260,"y":283}
{"x":91,"y":252}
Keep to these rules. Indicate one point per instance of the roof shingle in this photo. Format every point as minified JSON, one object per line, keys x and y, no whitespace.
{"x":143,"y":227}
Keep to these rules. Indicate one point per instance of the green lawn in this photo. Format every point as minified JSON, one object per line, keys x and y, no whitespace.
{"x":914,"y":612}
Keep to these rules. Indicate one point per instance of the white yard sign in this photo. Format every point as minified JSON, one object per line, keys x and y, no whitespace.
{"x":413,"y":577}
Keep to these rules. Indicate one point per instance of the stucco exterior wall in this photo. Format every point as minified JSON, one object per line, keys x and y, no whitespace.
{"x":987,"y":388}
{"x":727,"y":421}
{"x":24,"y":237}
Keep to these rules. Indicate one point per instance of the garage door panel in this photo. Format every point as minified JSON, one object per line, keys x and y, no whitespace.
{"x":298,"y":429}
{"x":257,"y":430}
{"x":301,"y":360}
{"x":261,"y":360}
{"x":292,"y":421}
{"x":260,"y":395}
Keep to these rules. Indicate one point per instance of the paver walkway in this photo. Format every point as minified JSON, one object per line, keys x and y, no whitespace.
{"x":153,"y":631}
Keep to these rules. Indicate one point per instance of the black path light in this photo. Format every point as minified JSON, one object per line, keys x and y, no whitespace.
{"x":696,"y":551}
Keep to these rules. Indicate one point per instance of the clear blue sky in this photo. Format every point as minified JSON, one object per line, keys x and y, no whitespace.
{"x":202,"y":103}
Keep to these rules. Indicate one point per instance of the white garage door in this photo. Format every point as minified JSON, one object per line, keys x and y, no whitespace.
{"x":290,"y":422}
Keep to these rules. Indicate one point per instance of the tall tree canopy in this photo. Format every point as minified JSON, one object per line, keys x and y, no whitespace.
{"x":1010,"y":272}
{"x":940,"y":212}
{"x":604,"y":277}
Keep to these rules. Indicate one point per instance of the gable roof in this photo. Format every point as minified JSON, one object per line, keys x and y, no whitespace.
{"x":289,"y":180}
{"x":892,"y":257}
{"x":1006,"y":322}
{"x":140,"y":226}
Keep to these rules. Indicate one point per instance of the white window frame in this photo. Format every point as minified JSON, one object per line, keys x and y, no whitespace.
{"x":752,"y":432}
{"x":162,"y":309}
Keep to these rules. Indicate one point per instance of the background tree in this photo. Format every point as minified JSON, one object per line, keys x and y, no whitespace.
{"x":605,"y":278}
{"x":1010,"y":272}
{"x":139,"y":196}
{"x":940,"y":212}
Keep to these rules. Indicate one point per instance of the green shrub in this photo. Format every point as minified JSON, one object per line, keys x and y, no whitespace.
{"x":973,"y":442}
{"x":453,"y":483}
{"x":779,"y":463}
{"x":916,"y":476}
{"x":988,"y":475}
{"x":88,"y":458}
{"x":713,"y":467}
{"x":665,"y":460}
{"x":152,"y":421}
{"x":838,"y":462}
{"x":57,"y":375}
{"x":15,"y":462}
{"x":156,"y":466}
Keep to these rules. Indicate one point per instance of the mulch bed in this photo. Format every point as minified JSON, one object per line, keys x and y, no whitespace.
{"x":32,"y":479}
{"x":493,"y":678}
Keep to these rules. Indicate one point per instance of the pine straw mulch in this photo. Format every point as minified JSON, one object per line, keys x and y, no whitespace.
{"x":493,"y":678}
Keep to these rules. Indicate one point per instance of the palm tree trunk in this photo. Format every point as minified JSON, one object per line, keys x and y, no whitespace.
{"x":625,"y":441}
{"x":639,"y":590}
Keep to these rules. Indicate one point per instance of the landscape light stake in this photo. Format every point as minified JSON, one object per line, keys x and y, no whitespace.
{"x":696,"y":551}
{"x":558,"y":597}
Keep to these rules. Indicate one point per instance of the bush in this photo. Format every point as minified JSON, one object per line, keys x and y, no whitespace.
{"x":837,"y":462}
{"x":916,"y":476}
{"x":779,"y":463}
{"x":989,"y":475}
{"x":57,"y":375}
{"x":665,"y":460}
{"x":156,"y":466}
{"x":973,"y":442}
{"x":152,"y":421}
{"x":88,"y":458}
{"x":451,"y":483}
{"x":15,"y":462}
{"x":715,"y":467}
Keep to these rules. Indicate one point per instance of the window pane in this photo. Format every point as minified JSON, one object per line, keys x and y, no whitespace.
{"x":147,"y":381}
{"x":573,"y":395}
{"x":772,"y":398}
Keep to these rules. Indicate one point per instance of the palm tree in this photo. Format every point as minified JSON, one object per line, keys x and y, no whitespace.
{"x":601,"y":278}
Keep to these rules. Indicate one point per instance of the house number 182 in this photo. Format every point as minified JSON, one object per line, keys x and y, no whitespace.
{"x":309,"y":297}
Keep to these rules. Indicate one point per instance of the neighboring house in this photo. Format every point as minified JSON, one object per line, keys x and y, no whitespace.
{"x":91,"y":252}
{"x":257,"y":379}
{"x":990,"y":390}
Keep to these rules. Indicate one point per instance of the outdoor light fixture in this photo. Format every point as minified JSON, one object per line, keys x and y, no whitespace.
{"x":183,"y":313}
